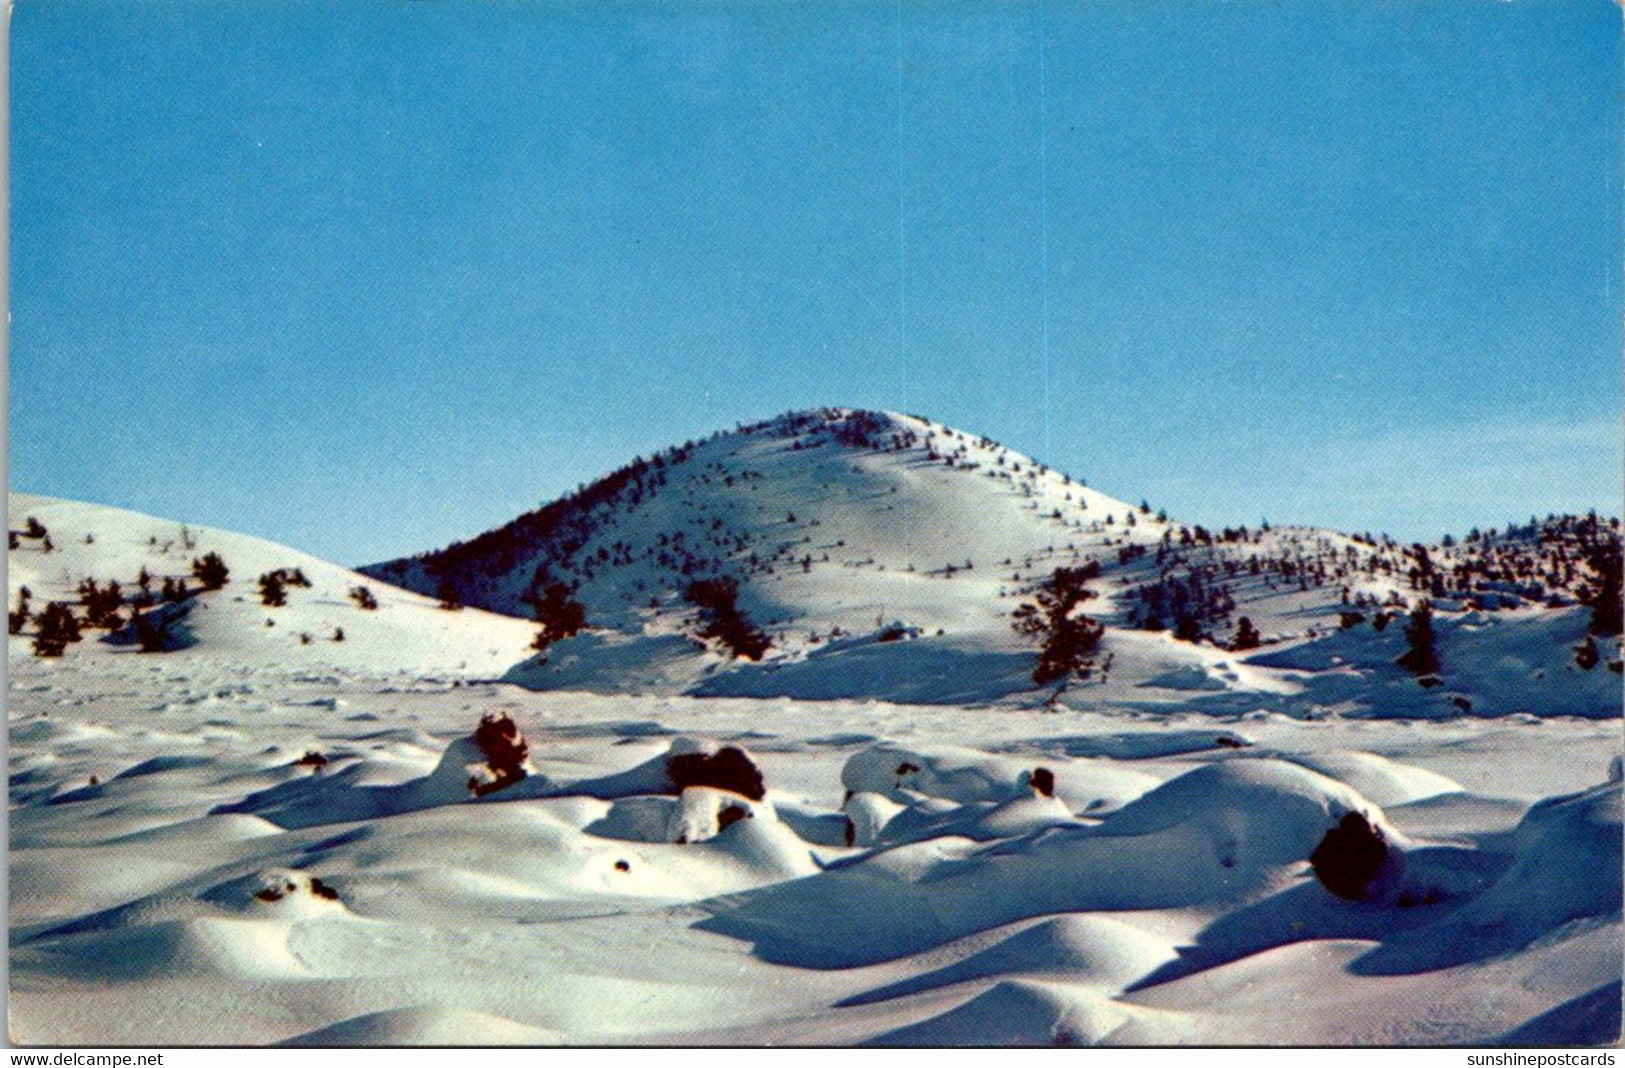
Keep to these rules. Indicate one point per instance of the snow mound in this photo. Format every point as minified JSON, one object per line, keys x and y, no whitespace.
{"x":698,"y":814}
{"x":965,"y":776}
{"x":427,"y":1025}
{"x":1219,"y":834}
{"x":1386,"y":782}
{"x":1567,"y":868}
{"x":1019,"y":1012}
{"x":688,"y":761}
{"x":1094,"y":950}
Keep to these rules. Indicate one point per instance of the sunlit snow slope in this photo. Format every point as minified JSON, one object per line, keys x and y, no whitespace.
{"x":231,"y":624}
{"x":883,"y":555}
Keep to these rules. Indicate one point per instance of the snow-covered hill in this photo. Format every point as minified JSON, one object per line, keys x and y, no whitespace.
{"x":883,"y":556}
{"x":262,"y":834}
{"x":230,"y":625}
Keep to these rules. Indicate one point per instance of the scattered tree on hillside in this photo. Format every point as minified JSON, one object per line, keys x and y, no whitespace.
{"x":450,"y":599}
{"x":1605,"y":597}
{"x":211,"y":571}
{"x":17,"y":618}
{"x":175,"y":591}
{"x":272,"y":591}
{"x":722,"y":619}
{"x":102,"y":604}
{"x":1068,"y":638}
{"x":57,"y":626}
{"x":1247,"y":636}
{"x":151,"y":632}
{"x":33,"y":528}
{"x":363,"y":598}
{"x":559,"y":614}
{"x":1422,"y":656}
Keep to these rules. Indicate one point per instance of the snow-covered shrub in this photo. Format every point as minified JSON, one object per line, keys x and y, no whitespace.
{"x":506,"y":753}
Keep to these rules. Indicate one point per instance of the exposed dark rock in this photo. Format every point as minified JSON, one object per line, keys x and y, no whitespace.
{"x":1349,"y":857}
{"x":1042,"y":781}
{"x":729,"y":815}
{"x":727,"y":769}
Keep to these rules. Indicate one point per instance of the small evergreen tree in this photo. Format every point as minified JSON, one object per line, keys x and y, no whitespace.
{"x":211,"y":571}
{"x":57,"y":627}
{"x":450,"y":599}
{"x":1068,"y":638}
{"x":1422,"y":656}
{"x":559,"y":614}
{"x":272,"y":591}
{"x":1605,"y":599}
{"x":363,"y":598}
{"x":151,"y":634}
{"x":1247,"y":636}
{"x":102,"y":604}
{"x":722,"y":619}
{"x":17,"y":618}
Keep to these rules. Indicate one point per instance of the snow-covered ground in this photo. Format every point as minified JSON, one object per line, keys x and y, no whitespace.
{"x":1162,"y":896}
{"x":266,"y":835}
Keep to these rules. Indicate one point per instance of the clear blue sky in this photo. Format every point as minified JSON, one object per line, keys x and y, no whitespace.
{"x":365,"y":277}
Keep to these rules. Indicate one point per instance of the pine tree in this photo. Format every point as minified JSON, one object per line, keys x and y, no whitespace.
{"x":1068,"y":638}
{"x":722,"y":619}
{"x":1605,"y":598}
{"x":363,"y":598}
{"x":559,"y":614}
{"x":1422,"y":656}
{"x":17,"y":618}
{"x":1247,"y":636}
{"x":57,"y":626}
{"x":211,"y":571}
{"x":273,"y":593}
{"x":151,"y":633}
